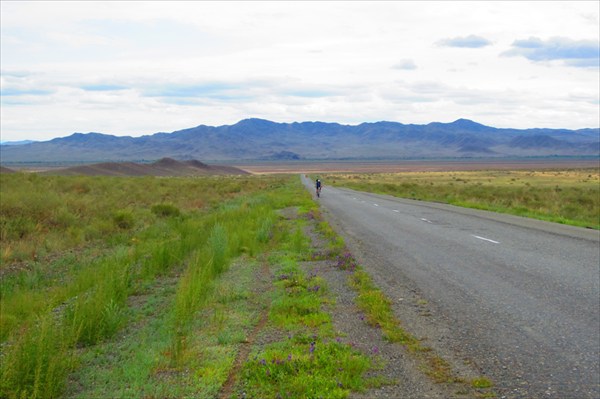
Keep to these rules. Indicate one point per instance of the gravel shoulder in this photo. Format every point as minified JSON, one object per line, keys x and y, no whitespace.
{"x":401,"y":369}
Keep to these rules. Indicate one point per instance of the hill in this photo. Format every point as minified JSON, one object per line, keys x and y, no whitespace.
{"x":6,"y":170}
{"x":258,"y":139}
{"x":163,"y":167}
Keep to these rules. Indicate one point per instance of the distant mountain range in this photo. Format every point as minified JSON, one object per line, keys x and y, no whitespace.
{"x":258,"y":139}
{"x":21,"y":142}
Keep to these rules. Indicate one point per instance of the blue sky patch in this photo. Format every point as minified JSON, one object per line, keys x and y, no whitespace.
{"x":471,"y":41}
{"x":578,"y":53}
{"x":24,"y":92}
{"x":103,"y":87}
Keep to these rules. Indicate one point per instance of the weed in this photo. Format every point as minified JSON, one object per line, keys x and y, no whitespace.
{"x":296,"y":369}
{"x":346,"y":261}
{"x":481,"y":382}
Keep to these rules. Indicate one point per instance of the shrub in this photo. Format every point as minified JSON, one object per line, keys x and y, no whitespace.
{"x":165,"y":210}
{"x":123,"y":220}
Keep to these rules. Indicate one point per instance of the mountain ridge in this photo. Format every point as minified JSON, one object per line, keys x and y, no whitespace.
{"x":261,"y":139}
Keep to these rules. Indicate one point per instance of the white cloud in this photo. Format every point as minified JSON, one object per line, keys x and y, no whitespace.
{"x":141,"y":67}
{"x":408,"y":65}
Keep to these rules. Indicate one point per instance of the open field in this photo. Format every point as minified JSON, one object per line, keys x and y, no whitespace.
{"x":416,"y":165}
{"x":570,"y":196}
{"x":86,"y":258}
{"x":166,"y":296}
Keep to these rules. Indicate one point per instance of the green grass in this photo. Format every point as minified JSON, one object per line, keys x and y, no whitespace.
{"x":299,"y":299}
{"x":305,"y":367}
{"x":82,"y":303}
{"x":40,"y":215}
{"x":149,"y":305}
{"x":141,"y":364}
{"x":562,"y":196}
{"x":379,"y":313}
{"x":481,"y":382}
{"x":312,"y":362}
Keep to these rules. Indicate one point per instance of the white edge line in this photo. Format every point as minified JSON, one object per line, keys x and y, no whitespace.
{"x":486,"y":239}
{"x":396,"y":210}
{"x":375,"y":204}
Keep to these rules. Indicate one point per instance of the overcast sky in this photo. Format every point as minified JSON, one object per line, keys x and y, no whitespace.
{"x":134,"y":68}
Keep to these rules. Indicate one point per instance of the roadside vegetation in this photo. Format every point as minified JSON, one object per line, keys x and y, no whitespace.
{"x":562,"y":196}
{"x":151,"y":287}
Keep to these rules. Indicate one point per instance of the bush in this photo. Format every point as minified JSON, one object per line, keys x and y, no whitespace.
{"x":165,"y":210}
{"x":123,"y":220}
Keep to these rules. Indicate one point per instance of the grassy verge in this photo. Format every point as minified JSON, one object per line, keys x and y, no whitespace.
{"x":312,"y":361}
{"x":159,"y":305}
{"x":562,"y":196}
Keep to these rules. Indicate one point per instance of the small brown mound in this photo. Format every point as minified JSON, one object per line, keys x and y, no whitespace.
{"x":162,"y":167}
{"x":197,"y":164}
{"x":166,"y":163}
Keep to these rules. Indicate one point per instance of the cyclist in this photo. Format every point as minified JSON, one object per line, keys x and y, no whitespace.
{"x":318,"y":187}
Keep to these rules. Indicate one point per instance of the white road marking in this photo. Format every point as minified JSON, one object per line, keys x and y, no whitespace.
{"x":486,"y":239}
{"x":375,"y":204}
{"x":425,"y":220}
{"x":396,"y":210}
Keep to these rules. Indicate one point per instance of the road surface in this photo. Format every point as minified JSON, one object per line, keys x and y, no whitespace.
{"x":515,"y":298}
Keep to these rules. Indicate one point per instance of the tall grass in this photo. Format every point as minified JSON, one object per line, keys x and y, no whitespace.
{"x":38,"y":361}
{"x":40,"y":215}
{"x":44,"y":318}
{"x":238,"y":227}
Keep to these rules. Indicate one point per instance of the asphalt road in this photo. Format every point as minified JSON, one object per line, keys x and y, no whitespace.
{"x":517,"y":299}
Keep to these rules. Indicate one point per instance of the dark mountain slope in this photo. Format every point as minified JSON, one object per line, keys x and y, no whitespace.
{"x":262,"y":139}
